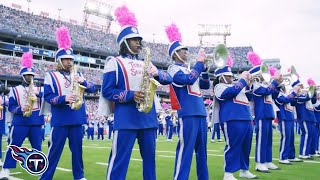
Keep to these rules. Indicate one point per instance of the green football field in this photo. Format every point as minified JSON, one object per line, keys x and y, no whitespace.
{"x":96,"y":153}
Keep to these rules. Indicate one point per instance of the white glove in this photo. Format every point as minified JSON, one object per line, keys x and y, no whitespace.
{"x":152,"y":70}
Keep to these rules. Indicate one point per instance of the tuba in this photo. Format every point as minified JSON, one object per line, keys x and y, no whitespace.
{"x":77,"y":89}
{"x":148,"y":86}
{"x":31,"y":98}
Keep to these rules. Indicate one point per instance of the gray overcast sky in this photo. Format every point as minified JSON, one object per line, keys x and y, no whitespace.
{"x":289,"y":30}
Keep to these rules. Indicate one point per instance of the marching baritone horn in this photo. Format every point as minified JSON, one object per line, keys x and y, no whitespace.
{"x":288,"y":79}
{"x":308,"y":91}
{"x":219,"y":58}
{"x":264,"y":73}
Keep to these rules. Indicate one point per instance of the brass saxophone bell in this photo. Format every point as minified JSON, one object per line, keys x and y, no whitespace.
{"x":77,"y":89}
{"x":148,"y":86}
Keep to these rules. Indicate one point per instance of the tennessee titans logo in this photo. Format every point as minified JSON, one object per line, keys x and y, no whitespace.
{"x":33,"y":161}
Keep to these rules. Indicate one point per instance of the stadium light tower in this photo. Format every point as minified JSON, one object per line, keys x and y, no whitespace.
{"x":100,"y":9}
{"x":207,"y":30}
{"x":29,"y":1}
{"x":59,"y":13}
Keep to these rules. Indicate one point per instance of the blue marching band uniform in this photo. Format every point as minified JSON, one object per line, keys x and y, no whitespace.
{"x":237,"y":125}
{"x":90,"y":130}
{"x":101,"y":128}
{"x":120,"y":93}
{"x":306,"y":119}
{"x":110,"y":126}
{"x":3,"y":118}
{"x":192,"y":116}
{"x":65,"y":122}
{"x":23,"y":126}
{"x":122,"y":78}
{"x":169,"y":127}
{"x":286,"y":126}
{"x":262,"y":96}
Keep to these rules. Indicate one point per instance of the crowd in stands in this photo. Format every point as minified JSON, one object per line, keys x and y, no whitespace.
{"x":11,"y":66}
{"x":43,"y":29}
{"x":92,"y":106}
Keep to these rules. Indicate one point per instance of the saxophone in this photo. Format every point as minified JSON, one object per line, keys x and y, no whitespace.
{"x":1,"y":107}
{"x":31,"y":98}
{"x":77,"y":89}
{"x":148,"y":86}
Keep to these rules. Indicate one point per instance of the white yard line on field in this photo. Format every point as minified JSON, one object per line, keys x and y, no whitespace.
{"x":101,"y":163}
{"x":64,"y":169}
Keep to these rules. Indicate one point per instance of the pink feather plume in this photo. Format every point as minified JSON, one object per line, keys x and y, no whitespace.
{"x":311,"y":82}
{"x":63,"y":38}
{"x":272,"y":70}
{"x":125,"y":17}
{"x":26,"y":60}
{"x":173,"y":33}
{"x":230,"y":61}
{"x":254,"y":58}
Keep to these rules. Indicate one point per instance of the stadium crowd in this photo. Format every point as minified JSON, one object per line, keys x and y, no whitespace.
{"x":43,"y":28}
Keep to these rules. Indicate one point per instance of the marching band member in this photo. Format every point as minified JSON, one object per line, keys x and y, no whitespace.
{"x":216,"y":130}
{"x":286,"y":122}
{"x":26,"y":121}
{"x":110,"y":125}
{"x":237,"y":125}
{"x":169,"y":126}
{"x":160,"y":128}
{"x":315,"y":139}
{"x":316,"y":104}
{"x":4,"y":102}
{"x":90,"y":130}
{"x":306,"y":118}
{"x":122,"y":78}
{"x":186,"y":97}
{"x":59,"y":94}
{"x":101,"y":127}
{"x":262,"y":92}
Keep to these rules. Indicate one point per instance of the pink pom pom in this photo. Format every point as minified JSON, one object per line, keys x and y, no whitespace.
{"x":125,"y":17}
{"x":272,"y":70}
{"x":26,"y":60}
{"x":63,"y":38}
{"x":254,"y":58}
{"x":173,"y":33}
{"x":230,"y":61}
{"x":311,"y":82}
